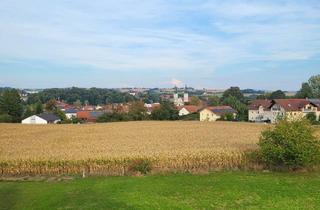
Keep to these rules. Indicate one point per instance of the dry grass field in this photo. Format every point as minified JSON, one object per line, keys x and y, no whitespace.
{"x":109,"y":149}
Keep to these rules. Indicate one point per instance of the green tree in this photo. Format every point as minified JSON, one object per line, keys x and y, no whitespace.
{"x":213,"y":101}
{"x":279,"y":94}
{"x":314,"y":83}
{"x":233,"y":92}
{"x":51,"y":105}
{"x":137,"y":111}
{"x":39,"y":108}
{"x":77,"y":103}
{"x":61,"y":115}
{"x":312,"y":117}
{"x":241,"y":108}
{"x":194,"y":100}
{"x":166,"y":112}
{"x":290,"y":144}
{"x":305,"y":91}
{"x":11,"y":105}
{"x":29,"y":112}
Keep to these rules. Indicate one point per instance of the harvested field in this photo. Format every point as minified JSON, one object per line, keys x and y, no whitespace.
{"x":111,"y":149}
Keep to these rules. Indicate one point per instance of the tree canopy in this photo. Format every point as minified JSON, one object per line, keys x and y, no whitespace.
{"x":279,"y":94}
{"x":92,"y":96}
{"x":234,"y":92}
{"x":11,"y":108}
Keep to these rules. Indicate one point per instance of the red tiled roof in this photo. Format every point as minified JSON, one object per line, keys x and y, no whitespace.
{"x":291,"y":104}
{"x":83,"y":115}
{"x":254,"y":105}
{"x":190,"y":108}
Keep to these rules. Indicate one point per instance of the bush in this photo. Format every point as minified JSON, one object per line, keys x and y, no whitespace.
{"x":143,"y":166}
{"x":312,"y":117}
{"x":290,"y":144}
{"x":190,"y":117}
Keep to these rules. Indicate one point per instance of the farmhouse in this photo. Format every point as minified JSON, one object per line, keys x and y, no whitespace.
{"x":44,"y":118}
{"x":260,"y":111}
{"x":216,"y":112}
{"x":70,"y":113}
{"x":185,"y":110}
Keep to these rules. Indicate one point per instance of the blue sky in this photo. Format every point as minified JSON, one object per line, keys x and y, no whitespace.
{"x":271,"y":44}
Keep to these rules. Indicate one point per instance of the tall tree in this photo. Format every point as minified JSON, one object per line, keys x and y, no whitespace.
{"x":279,"y":94}
{"x":39,"y":108}
{"x":213,"y":101}
{"x":314,"y":83}
{"x":240,"y":107}
{"x":194,"y":100}
{"x":11,"y":105}
{"x":138,"y":111}
{"x":234,"y":92}
{"x":305,"y":91}
{"x":51,"y":105}
{"x":166,"y":112}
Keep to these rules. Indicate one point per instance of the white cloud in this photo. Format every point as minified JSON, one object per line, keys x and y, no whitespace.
{"x":131,"y":35}
{"x":176,"y":82}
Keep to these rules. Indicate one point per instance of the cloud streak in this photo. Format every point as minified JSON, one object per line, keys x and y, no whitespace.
{"x":196,"y":38}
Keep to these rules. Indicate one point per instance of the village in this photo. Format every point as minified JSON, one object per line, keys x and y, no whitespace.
{"x":258,"y":111}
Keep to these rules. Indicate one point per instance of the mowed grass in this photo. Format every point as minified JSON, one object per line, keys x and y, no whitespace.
{"x":220,"y":190}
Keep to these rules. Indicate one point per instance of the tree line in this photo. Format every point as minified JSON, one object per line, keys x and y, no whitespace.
{"x":92,"y":96}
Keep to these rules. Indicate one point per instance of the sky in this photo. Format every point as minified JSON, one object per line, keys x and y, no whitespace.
{"x":266,"y":44}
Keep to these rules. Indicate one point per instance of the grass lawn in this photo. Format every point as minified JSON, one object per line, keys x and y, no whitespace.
{"x":220,"y":190}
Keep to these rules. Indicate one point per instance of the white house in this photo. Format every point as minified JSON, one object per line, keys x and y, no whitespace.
{"x":185,"y":110}
{"x":216,"y":112}
{"x":71,"y":113}
{"x":260,"y":111}
{"x":44,"y":118}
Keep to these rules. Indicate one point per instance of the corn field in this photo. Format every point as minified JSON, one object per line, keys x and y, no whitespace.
{"x":112,"y":148}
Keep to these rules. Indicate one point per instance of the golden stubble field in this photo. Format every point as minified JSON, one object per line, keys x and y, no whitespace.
{"x":108,"y":149}
{"x":81,"y":142}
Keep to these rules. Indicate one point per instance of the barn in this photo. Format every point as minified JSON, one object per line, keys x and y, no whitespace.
{"x":44,"y":118}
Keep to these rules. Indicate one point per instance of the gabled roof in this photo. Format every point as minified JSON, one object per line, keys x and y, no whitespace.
{"x":221,"y":110}
{"x":190,"y":108}
{"x":315,"y":102}
{"x":48,"y":117}
{"x":254,"y":105}
{"x":71,"y":111}
{"x":292,"y":104}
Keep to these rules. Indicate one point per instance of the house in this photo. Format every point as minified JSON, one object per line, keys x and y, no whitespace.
{"x":71,"y":113}
{"x":185,"y":110}
{"x":259,"y":111}
{"x":62,"y":105}
{"x":44,"y":118}
{"x":89,"y":116}
{"x":272,"y":110}
{"x":151,"y":107}
{"x":293,"y":108}
{"x":216,"y":112}
{"x":87,"y":108}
